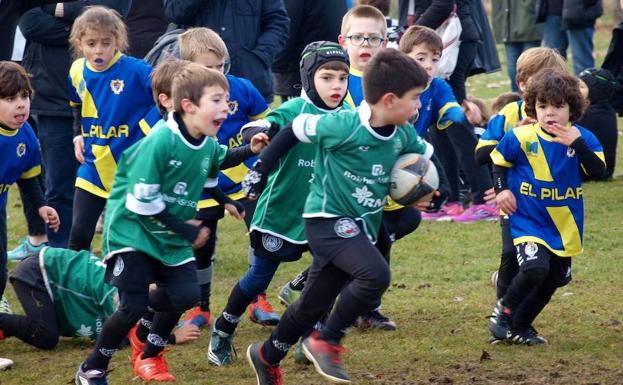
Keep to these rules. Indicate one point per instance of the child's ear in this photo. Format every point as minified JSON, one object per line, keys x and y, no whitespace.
{"x":522,"y":86}
{"x":341,"y":39}
{"x":165,"y":101}
{"x":388,"y":100}
{"x":188,"y":107}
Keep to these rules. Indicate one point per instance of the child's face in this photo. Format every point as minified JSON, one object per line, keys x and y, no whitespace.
{"x":331,"y":86}
{"x":426,"y":57}
{"x":359,"y":51}
{"x":210,"y":60}
{"x":14,"y":110}
{"x":207,"y":117}
{"x":403,"y":108}
{"x":547,"y":113}
{"x":98,"y":48}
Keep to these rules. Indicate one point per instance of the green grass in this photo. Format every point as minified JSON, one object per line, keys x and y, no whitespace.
{"x":440,"y":298}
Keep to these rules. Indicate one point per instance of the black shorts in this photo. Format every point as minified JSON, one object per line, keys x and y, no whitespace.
{"x":532,"y":255}
{"x":133,"y":271}
{"x":29,"y":272}
{"x":276,"y":248}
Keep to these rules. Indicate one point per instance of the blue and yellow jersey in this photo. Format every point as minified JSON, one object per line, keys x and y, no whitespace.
{"x":245,"y":104}
{"x":20,"y":157}
{"x":354,"y":96}
{"x":117,"y":110}
{"x":545,"y":178}
{"x":501,"y":123}
{"x":439,"y":106}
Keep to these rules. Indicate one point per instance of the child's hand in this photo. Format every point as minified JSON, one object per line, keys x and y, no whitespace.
{"x":564,"y":135}
{"x":233,"y":211}
{"x":506,"y":201}
{"x":50,"y":217}
{"x":202,"y":238}
{"x":79,"y":148}
{"x":186,"y":333}
{"x":258,"y":142}
{"x":194,"y":222}
{"x":472,"y":112}
{"x":489,"y":196}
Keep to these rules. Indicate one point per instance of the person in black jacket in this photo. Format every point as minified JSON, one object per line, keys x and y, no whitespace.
{"x":310,"y":20}
{"x":254,"y":32}
{"x":571,"y":23}
{"x":47,"y":59}
{"x":432,"y":13}
{"x":146,"y":23}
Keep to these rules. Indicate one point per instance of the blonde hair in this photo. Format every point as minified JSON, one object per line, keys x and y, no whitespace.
{"x":190,"y":82}
{"x":363,"y":12}
{"x":197,"y":41}
{"x":162,"y":78}
{"x":101,"y":19}
{"x":533,"y":60}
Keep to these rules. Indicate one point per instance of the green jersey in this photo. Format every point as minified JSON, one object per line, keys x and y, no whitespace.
{"x":163,"y":170}
{"x":75,"y":282}
{"x":353,"y":164}
{"x":280,"y":207}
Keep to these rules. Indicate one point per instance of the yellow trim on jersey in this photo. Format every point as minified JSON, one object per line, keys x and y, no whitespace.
{"x":261,"y":115}
{"x":144,"y":126}
{"x":538,"y":162}
{"x":204,"y":204}
{"x":560,"y":253}
{"x":105,"y":164}
{"x":483,"y":142}
{"x":392,"y":205}
{"x":90,"y":187}
{"x":601,"y":156}
{"x":567,"y":227}
{"x":237,"y":173}
{"x":498,"y":159}
{"x":76,"y":73}
{"x":112,"y":63}
{"x":355,"y":72}
{"x":442,"y":111}
{"x":5,"y":132}
{"x":33,"y":172}
{"x":349,"y":99}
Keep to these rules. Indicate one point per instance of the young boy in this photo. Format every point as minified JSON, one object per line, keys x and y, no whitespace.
{"x":147,"y":237}
{"x":529,"y":63}
{"x":204,"y":46}
{"x":355,"y":150}
{"x":277,"y":233}
{"x":453,"y":138}
{"x":538,"y":183}
{"x":21,"y":161}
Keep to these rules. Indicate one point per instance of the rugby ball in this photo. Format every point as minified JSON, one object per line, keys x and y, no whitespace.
{"x":413,"y":179}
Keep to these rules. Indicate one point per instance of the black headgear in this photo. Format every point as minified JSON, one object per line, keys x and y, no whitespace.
{"x":314,"y":55}
{"x":600,"y":83}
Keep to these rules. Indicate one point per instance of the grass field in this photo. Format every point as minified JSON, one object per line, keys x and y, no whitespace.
{"x":440,"y":297}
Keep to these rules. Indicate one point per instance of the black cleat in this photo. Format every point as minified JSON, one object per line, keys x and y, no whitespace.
{"x":499,"y":323}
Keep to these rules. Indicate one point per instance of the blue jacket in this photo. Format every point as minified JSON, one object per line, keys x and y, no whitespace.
{"x":255,"y":31}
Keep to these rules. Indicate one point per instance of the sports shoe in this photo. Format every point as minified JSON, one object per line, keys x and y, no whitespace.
{"x":446,"y":213}
{"x":261,"y":312}
{"x":499,"y":323}
{"x":153,"y":368}
{"x":265,"y":374}
{"x":5,"y":306}
{"x":221,"y":348}
{"x":299,"y":356}
{"x":475,"y":213}
{"x":197,"y":317}
{"x":5,"y":363}
{"x":375,"y":320}
{"x":528,"y":337}
{"x":494,"y":279}
{"x":326,"y":358}
{"x":91,"y":377}
{"x":137,"y":346}
{"x":287,"y":295}
{"x":24,"y":250}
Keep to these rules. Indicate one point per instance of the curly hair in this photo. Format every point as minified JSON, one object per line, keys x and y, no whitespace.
{"x":556,"y":88}
{"x":101,"y":19}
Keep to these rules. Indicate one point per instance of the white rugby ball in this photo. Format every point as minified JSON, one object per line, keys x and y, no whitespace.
{"x":413,"y":179}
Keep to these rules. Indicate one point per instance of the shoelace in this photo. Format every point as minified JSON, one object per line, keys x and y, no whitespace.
{"x":335,"y":352}
{"x":275,"y":375}
{"x":264,"y":305}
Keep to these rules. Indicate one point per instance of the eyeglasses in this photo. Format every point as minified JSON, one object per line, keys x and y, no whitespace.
{"x":373,"y":41}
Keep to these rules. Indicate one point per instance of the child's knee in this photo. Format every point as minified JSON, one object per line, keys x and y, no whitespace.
{"x":185,"y":297}
{"x":47,"y":340}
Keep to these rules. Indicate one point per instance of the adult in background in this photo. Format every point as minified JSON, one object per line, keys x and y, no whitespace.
{"x":570,"y":24}
{"x":146,"y":22}
{"x":254,"y":32}
{"x":514,"y":25}
{"x":432,"y":13}
{"x":310,"y":20}
{"x":47,"y":59}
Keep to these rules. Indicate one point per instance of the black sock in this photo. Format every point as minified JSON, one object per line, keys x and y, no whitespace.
{"x":237,"y":303}
{"x":298,"y":283}
{"x":204,"y":303}
{"x":115,"y":329}
{"x":531,"y":307}
{"x":345,"y":313}
{"x":162,"y":325}
{"x":144,"y":326}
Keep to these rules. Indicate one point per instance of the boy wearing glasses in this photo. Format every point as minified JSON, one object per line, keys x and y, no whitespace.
{"x":362,"y":35}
